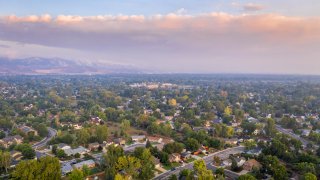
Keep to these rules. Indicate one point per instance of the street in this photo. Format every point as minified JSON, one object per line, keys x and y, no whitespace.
{"x":51,"y":133}
{"x":290,"y":133}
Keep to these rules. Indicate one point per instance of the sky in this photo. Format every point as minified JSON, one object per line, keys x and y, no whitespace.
{"x":174,"y":36}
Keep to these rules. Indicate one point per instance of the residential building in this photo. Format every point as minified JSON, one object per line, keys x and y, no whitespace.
{"x":251,"y":164}
{"x":8,"y":141}
{"x":89,"y":163}
{"x":175,"y":157}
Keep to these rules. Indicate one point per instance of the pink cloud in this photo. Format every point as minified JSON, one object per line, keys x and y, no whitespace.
{"x":173,"y":37}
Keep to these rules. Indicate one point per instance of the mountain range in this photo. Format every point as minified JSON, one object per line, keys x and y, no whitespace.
{"x":47,"y":66}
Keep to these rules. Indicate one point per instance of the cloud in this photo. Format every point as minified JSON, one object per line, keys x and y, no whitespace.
{"x":210,"y":42}
{"x":253,"y":7}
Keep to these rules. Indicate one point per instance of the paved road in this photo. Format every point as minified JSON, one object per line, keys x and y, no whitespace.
{"x":208,"y":159}
{"x":43,"y":142}
{"x":132,"y":147}
{"x":290,"y":133}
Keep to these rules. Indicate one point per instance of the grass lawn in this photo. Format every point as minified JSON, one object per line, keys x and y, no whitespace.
{"x":190,"y":160}
{"x":175,"y":164}
{"x":201,"y":155}
{"x":94,"y":171}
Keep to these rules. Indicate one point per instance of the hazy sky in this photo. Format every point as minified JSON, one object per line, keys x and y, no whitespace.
{"x":168,"y":35}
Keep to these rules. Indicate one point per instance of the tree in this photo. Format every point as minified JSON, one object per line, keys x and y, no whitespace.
{"x":110,"y":160}
{"x":305,"y":167}
{"x":42,"y":130}
{"x":246,"y":177}
{"x":85,"y":170}
{"x":76,"y":174}
{"x":192,"y":144}
{"x":186,"y":174}
{"x":220,"y":171}
{"x":5,"y":160}
{"x":201,"y":171}
{"x":172,"y":102}
{"x":173,"y":147}
{"x":46,"y":168}
{"x":173,"y":177}
{"x":26,"y":150}
{"x":309,"y":176}
{"x":102,"y":133}
{"x":270,"y":128}
{"x":82,"y":136}
{"x":61,"y":154}
{"x":280,"y":173}
{"x":147,"y":169}
{"x":217,"y":160}
{"x":129,"y":165}
{"x":227,"y":111}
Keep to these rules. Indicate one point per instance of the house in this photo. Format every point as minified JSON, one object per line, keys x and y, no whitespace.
{"x":251,"y":164}
{"x":232,"y":141}
{"x":80,"y":150}
{"x":95,"y":120}
{"x":119,"y":141}
{"x":89,"y":163}
{"x":226,"y":163}
{"x":154,"y":139}
{"x":240,"y":161}
{"x":159,"y":146}
{"x":93,"y":146}
{"x":185,"y":155}
{"x":16,"y":155}
{"x":62,"y":146}
{"x":28,"y":130}
{"x":156,"y":162}
{"x":140,"y":138}
{"x":66,"y":168}
{"x":305,"y":132}
{"x":175,"y":157}
{"x":8,"y":141}
{"x":256,"y":152}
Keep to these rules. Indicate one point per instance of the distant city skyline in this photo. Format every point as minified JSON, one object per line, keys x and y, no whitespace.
{"x":268,"y":37}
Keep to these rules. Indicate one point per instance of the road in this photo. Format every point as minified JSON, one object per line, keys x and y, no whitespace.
{"x":290,"y":133}
{"x":43,"y":142}
{"x":208,"y":159}
{"x":132,"y":147}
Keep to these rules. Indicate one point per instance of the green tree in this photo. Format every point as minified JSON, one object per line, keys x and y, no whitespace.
{"x":270,"y":128}
{"x":147,"y":169}
{"x":201,"y":171}
{"x":192,"y":144}
{"x":82,"y":136}
{"x":305,"y":167}
{"x":129,"y":165}
{"x":102,"y":133}
{"x":173,"y":177}
{"x":309,"y":176}
{"x":26,"y":150}
{"x":5,"y":160}
{"x":246,"y":177}
{"x":46,"y":168}
{"x":76,"y":174}
{"x":110,"y":160}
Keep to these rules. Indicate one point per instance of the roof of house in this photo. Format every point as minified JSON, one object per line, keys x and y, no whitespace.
{"x":82,"y":163}
{"x":79,"y":150}
{"x":26,"y":129}
{"x":138,"y":137}
{"x":12,"y":138}
{"x":252,"y":162}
